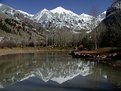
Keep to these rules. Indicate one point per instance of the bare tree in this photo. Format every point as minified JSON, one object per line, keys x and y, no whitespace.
{"x":94,"y":24}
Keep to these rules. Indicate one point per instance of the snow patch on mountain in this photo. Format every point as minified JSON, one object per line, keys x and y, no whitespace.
{"x":25,"y":13}
{"x":102,"y":16}
{"x":11,"y":11}
{"x":43,"y":15}
{"x":61,"y":10}
{"x":86,"y":17}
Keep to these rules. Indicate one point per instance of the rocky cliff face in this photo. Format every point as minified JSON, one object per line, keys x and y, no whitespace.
{"x":115,"y":8}
{"x":113,"y":16}
{"x":111,"y":35}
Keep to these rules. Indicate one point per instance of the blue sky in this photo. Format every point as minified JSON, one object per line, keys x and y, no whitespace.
{"x":77,"y":6}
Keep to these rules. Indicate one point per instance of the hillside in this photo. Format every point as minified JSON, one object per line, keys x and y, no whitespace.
{"x":18,"y":33}
{"x":111,"y":35}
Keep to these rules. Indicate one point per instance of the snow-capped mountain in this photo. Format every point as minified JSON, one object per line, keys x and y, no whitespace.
{"x":6,"y":9}
{"x":57,"y":17}
{"x":60,"y":17}
{"x":11,"y":11}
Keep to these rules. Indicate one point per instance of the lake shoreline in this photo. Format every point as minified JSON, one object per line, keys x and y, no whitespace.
{"x":7,"y":51}
{"x":110,"y":58}
{"x":103,"y":58}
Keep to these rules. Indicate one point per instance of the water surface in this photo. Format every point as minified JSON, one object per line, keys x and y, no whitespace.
{"x":49,"y":71}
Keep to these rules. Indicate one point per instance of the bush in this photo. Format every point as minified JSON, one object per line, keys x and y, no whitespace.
{"x":8,"y":44}
{"x":110,"y":38}
{"x":31,"y":44}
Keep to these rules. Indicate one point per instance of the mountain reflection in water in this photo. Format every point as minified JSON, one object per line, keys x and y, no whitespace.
{"x":48,"y":69}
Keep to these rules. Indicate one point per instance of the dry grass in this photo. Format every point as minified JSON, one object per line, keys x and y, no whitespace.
{"x":108,"y":50}
{"x":89,"y":52}
{"x":101,"y":50}
{"x":7,"y":51}
{"x":18,"y":50}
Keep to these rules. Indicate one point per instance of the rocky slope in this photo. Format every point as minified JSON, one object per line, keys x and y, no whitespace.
{"x":14,"y":33}
{"x":11,"y":11}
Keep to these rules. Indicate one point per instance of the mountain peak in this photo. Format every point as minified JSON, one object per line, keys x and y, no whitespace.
{"x":44,"y":10}
{"x":83,"y":14}
{"x":60,"y":10}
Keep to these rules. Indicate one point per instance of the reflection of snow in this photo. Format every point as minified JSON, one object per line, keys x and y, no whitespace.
{"x":61,"y":80}
{"x":61,"y":72}
{"x":45,"y":79}
{"x":105,"y":76}
{"x":84,"y":71}
{"x":1,"y":86}
{"x":32,"y":75}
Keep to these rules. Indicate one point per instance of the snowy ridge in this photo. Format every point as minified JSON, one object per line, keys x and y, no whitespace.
{"x":6,"y":9}
{"x":102,"y":16}
{"x":57,"y":18}
{"x":11,"y":11}
{"x":43,"y":15}
{"x":86,"y":17}
{"x":25,"y":13}
{"x":61,"y":10}
{"x":60,"y":17}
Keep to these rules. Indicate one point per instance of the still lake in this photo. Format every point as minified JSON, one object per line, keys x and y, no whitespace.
{"x":56,"y":71}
